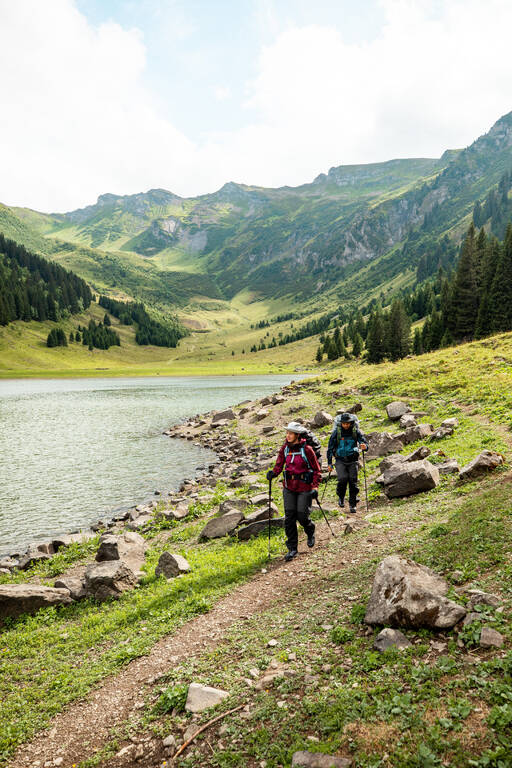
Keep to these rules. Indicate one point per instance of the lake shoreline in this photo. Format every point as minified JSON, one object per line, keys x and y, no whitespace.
{"x":121,"y":513}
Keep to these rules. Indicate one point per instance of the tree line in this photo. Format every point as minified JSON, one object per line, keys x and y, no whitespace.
{"x":149,"y":331}
{"x":33,"y":288}
{"x":477,"y":300}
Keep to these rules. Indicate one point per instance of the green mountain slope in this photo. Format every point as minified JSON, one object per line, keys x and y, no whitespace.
{"x":354,"y":232}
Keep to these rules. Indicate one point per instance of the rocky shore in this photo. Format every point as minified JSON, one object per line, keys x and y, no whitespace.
{"x":244,"y":439}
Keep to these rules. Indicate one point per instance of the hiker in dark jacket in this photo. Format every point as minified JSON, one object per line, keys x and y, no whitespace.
{"x":344,"y":444}
{"x":301,"y":477}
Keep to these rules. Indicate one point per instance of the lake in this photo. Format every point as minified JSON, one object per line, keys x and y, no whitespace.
{"x":74,"y":450}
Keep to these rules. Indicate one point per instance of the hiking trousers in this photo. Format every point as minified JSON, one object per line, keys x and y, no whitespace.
{"x":297,"y":507}
{"x":347,"y":475}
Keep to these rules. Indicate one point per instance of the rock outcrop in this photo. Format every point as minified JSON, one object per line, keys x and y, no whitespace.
{"x":406,"y":594}
{"x":409,"y":477}
{"x":483,"y":463}
{"x":17,"y":599}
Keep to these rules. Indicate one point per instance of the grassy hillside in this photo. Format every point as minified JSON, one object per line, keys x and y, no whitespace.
{"x":444,"y":701}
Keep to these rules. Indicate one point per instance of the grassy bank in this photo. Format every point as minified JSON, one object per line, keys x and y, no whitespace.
{"x":443,"y":704}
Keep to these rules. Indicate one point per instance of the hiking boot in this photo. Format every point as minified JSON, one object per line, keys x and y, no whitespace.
{"x":341,"y":503}
{"x":311,"y":540}
{"x":290,"y":554}
{"x":352,"y":510}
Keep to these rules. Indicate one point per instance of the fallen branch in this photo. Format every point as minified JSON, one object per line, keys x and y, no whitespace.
{"x":203,"y":728}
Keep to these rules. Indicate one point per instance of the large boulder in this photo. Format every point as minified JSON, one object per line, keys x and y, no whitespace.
{"x":74,"y":585}
{"x":407,"y":420}
{"x":322,"y":419}
{"x":396,"y":409}
{"x":254,"y":529}
{"x":448,"y":467}
{"x":201,"y":697}
{"x":382,"y":444}
{"x":409,"y":477}
{"x":227,"y":415}
{"x":171,"y":565}
{"x":419,"y":432}
{"x":16,"y":599}
{"x":128,"y":547}
{"x":406,"y":594}
{"x":221,"y":526}
{"x":108,"y":579}
{"x":484,"y":462}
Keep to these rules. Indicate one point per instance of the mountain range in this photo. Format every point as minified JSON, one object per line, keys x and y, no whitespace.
{"x":352,"y":233}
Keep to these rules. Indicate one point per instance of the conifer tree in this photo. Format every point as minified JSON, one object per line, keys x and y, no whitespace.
{"x":319,"y":355}
{"x":465,"y":290}
{"x":417,"y":346}
{"x":375,"y":337}
{"x":398,"y":341}
{"x":501,"y":289}
{"x":357,"y":346}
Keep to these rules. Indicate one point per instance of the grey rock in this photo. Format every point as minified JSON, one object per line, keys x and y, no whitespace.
{"x":322,"y":419}
{"x":478,"y":597}
{"x":470,"y":618}
{"x":408,"y":478}
{"x":141,"y":522}
{"x":390,"y":461}
{"x":382,"y":444}
{"x":262,"y":513}
{"x":66,"y":540}
{"x":233,"y":504}
{"x":181,"y":510}
{"x":254,"y":529}
{"x":420,"y":453}
{"x":31,"y":557}
{"x":17,"y":599}
{"x":201,"y":697}
{"x":483,"y":463}
{"x":128,"y":547}
{"x":9,"y":563}
{"x":171,"y":565}
{"x":74,"y":585}
{"x":396,"y":409}
{"x":108,"y":579}
{"x":319,"y":760}
{"x":448,"y":467}
{"x":406,"y":594}
{"x":458,"y":577}
{"x":268,"y":429}
{"x":356,"y":408}
{"x":407,"y":420}
{"x":419,"y":432}
{"x":259,"y":500}
{"x":391,"y":638}
{"x":261,"y":414}
{"x":353,"y":525}
{"x":227,"y":415}
{"x":453,"y":423}
{"x":441,"y":432}
{"x":221,"y":526}
{"x":491,"y":638}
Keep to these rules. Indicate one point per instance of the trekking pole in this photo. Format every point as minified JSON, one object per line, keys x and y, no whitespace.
{"x":326,"y":481}
{"x":365,"y":483}
{"x":269,"y":512}
{"x":325,"y":517}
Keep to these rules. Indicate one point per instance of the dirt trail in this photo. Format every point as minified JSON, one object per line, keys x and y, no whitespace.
{"x":84,"y":726}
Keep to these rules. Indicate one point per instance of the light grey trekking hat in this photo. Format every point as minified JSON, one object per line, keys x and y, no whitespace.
{"x":294,"y":426}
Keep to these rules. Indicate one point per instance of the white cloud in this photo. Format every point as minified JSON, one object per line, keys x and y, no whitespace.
{"x":77,"y":119}
{"x":222,"y":92}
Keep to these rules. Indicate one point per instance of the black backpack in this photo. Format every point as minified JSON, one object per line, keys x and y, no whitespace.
{"x":314,"y":443}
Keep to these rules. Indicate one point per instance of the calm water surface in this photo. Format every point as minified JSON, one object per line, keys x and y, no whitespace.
{"x":72,"y":451}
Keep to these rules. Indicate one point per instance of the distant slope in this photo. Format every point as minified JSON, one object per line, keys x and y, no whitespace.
{"x":351,"y":233}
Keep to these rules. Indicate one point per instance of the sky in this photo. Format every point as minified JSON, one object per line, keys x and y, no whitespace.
{"x":123,"y":96}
